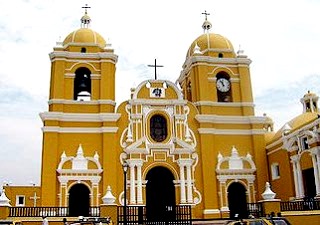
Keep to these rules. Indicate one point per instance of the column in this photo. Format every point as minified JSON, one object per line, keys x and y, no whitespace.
{"x":95,"y":192}
{"x":295,"y":177}
{"x":139,"y":183}
{"x":318,"y":161}
{"x":189,"y":184}
{"x":249,"y":191}
{"x":182,"y":184}
{"x":316,"y":172}
{"x":132,"y":184}
{"x":300,"y":181}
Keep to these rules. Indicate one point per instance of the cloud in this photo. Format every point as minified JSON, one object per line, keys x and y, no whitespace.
{"x":282,"y":103}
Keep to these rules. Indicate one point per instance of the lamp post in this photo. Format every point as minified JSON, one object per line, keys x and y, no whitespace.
{"x":125,"y":170}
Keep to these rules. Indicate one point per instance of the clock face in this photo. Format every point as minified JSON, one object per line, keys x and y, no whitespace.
{"x":223,"y":84}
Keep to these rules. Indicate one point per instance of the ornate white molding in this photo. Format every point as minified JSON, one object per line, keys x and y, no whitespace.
{"x":224,"y":104}
{"x":74,"y":102}
{"x":79,"y":129}
{"x":211,"y":211}
{"x":207,"y":118}
{"x":212,"y":61}
{"x":92,"y":76}
{"x":231,"y":131}
{"x":80,"y":117}
{"x":63,"y":55}
{"x":168,"y":84}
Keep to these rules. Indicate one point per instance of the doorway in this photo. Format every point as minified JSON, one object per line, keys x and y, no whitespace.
{"x":237,"y":200}
{"x":309,"y":183}
{"x":160,"y":194}
{"x":79,"y":200}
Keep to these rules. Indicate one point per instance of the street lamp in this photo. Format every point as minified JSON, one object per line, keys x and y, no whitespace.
{"x":125,"y":170}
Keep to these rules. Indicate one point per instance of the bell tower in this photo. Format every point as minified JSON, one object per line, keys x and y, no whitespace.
{"x":81,"y":117}
{"x":215,"y":78}
{"x":83,"y":69}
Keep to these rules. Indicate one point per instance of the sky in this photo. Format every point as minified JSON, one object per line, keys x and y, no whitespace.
{"x":282,"y":38}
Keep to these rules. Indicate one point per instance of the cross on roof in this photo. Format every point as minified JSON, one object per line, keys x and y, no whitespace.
{"x":34,"y":198}
{"x":206,"y":14}
{"x":155,"y":68}
{"x":86,"y":7}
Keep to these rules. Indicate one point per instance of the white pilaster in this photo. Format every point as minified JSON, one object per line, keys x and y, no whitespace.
{"x":189,"y":185}
{"x":132,"y":184}
{"x":316,"y":173}
{"x":139,"y":184}
{"x":318,"y":162}
{"x":182,"y":184}
{"x":300,"y":180}
{"x":295,"y":177}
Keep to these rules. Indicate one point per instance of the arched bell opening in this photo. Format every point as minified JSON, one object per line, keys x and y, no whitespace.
{"x":82,"y":84}
{"x":224,"y":87}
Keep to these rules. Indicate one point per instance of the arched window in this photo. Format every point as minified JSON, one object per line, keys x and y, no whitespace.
{"x":83,"y":50}
{"x":158,"y":128}
{"x":82,"y":85}
{"x":223,"y":86}
{"x":220,"y":55}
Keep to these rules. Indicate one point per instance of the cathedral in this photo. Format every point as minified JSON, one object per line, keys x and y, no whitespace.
{"x":194,"y":141}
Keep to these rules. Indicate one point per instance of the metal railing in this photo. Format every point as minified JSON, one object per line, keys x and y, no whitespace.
{"x":304,"y":205}
{"x":47,"y":211}
{"x":255,"y":209}
{"x":173,"y":215}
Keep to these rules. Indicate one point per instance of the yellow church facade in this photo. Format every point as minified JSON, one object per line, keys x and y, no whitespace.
{"x":196,"y":141}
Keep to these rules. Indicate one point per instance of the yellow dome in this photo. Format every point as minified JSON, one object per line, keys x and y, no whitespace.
{"x":309,"y":95}
{"x":297,"y":122}
{"x":85,"y":36}
{"x":211,"y":41}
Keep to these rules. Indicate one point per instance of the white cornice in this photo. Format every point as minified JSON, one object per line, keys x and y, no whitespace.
{"x":74,"y":102}
{"x":92,"y":76}
{"x":79,"y":130}
{"x":275,"y":150}
{"x":231,"y":131}
{"x":219,"y":61}
{"x":72,"y":55}
{"x":225,"y":104}
{"x":216,"y":119}
{"x":80,"y":172}
{"x":157,"y":102}
{"x":233,"y":80}
{"x":212,"y":61}
{"x":80,"y":117}
{"x":211,"y":211}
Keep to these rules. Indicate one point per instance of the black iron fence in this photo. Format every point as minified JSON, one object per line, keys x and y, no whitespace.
{"x":255,"y":209}
{"x":47,"y":211}
{"x":171,"y":216}
{"x":304,"y":205}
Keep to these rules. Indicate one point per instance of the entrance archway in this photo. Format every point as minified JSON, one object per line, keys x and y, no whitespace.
{"x":237,"y":200}
{"x":160,"y":194}
{"x":309,"y":183}
{"x":79,"y":200}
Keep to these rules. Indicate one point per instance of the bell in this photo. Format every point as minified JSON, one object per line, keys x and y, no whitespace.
{"x":82,"y":85}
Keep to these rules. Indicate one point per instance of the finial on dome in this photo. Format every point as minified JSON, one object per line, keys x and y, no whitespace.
{"x":206,"y":24}
{"x":85,"y":19}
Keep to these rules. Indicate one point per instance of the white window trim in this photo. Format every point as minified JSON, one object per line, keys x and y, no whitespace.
{"x":275,"y":172}
{"x":17,"y":200}
{"x":302,"y":142}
